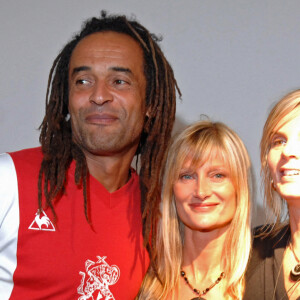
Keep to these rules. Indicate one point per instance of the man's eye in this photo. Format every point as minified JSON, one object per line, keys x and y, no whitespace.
{"x":82,"y":82}
{"x":120,"y":81}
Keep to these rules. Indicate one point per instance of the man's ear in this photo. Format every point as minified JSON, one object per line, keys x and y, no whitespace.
{"x":148,"y":112}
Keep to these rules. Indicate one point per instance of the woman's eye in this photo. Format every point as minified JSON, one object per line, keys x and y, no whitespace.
{"x":219,"y":175}
{"x":186,"y":176}
{"x":278,"y":142}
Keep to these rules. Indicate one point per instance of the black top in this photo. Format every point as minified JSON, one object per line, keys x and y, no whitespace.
{"x":264,"y":275}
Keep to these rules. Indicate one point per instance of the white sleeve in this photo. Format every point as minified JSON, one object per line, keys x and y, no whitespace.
{"x":9,"y":224}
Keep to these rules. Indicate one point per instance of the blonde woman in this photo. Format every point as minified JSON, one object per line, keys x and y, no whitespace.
{"x":204,"y":237}
{"x":274,"y":272}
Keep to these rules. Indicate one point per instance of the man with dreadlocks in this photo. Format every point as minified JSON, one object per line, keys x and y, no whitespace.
{"x":74,"y":215}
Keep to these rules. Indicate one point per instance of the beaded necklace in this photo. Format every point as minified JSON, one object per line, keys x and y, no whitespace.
{"x":196,"y":291}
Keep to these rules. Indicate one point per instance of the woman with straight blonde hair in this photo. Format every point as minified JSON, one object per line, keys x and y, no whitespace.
{"x":203,"y":234}
{"x":274,"y":270}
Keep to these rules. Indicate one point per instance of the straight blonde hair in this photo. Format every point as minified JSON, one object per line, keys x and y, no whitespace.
{"x":283,"y":112}
{"x":198,"y":142}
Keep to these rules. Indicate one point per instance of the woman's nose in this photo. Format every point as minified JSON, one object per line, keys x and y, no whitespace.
{"x":202,"y":189}
{"x":291,"y":148}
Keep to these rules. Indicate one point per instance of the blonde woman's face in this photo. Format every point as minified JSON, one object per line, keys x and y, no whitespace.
{"x":284,"y":160}
{"x":205,"y":197}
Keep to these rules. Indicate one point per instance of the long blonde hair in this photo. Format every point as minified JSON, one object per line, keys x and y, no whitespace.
{"x":283,"y":112}
{"x":197,"y":142}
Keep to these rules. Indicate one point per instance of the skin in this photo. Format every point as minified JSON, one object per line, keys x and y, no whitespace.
{"x":206,"y":203}
{"x":284,"y":160}
{"x":107,"y":103}
{"x":205,"y":197}
{"x":284,"y":165}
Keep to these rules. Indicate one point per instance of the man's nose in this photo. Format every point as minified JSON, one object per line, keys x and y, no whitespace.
{"x":101,"y":93}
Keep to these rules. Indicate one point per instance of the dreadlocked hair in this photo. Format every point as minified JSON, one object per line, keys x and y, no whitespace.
{"x":56,"y":135}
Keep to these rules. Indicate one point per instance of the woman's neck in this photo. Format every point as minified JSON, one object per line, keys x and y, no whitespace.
{"x":202,"y":252}
{"x":295,"y":227}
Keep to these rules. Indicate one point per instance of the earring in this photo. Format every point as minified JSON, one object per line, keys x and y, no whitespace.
{"x":273,"y":185}
{"x":67,"y":117}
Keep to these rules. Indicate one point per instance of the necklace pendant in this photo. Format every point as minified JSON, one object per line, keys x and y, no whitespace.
{"x":295,"y":273}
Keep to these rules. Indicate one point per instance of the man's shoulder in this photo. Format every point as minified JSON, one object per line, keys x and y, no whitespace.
{"x":27,"y":154}
{"x":24,"y":161}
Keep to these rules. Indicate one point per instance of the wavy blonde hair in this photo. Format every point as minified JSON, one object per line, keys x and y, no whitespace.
{"x":283,"y":112}
{"x":198,"y":142}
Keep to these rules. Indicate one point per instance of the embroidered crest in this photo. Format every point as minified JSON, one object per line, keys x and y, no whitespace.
{"x":41,"y":222}
{"x":97,"y":279}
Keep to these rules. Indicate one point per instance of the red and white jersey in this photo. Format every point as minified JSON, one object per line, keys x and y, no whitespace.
{"x":69,"y":259}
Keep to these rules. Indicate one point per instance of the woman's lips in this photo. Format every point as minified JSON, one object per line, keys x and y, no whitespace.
{"x":287,"y":175}
{"x":203,"y":205}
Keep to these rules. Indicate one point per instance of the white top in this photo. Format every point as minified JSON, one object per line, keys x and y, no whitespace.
{"x":9,"y":224}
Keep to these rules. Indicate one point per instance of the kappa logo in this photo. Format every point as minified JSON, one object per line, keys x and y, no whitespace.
{"x":97,"y":279}
{"x":41,"y":222}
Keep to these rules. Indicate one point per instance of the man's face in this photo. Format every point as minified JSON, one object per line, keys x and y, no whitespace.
{"x":107,"y":88}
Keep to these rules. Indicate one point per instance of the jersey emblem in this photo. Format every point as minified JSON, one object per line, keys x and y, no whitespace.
{"x":41,"y":222}
{"x":96,"y":280}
